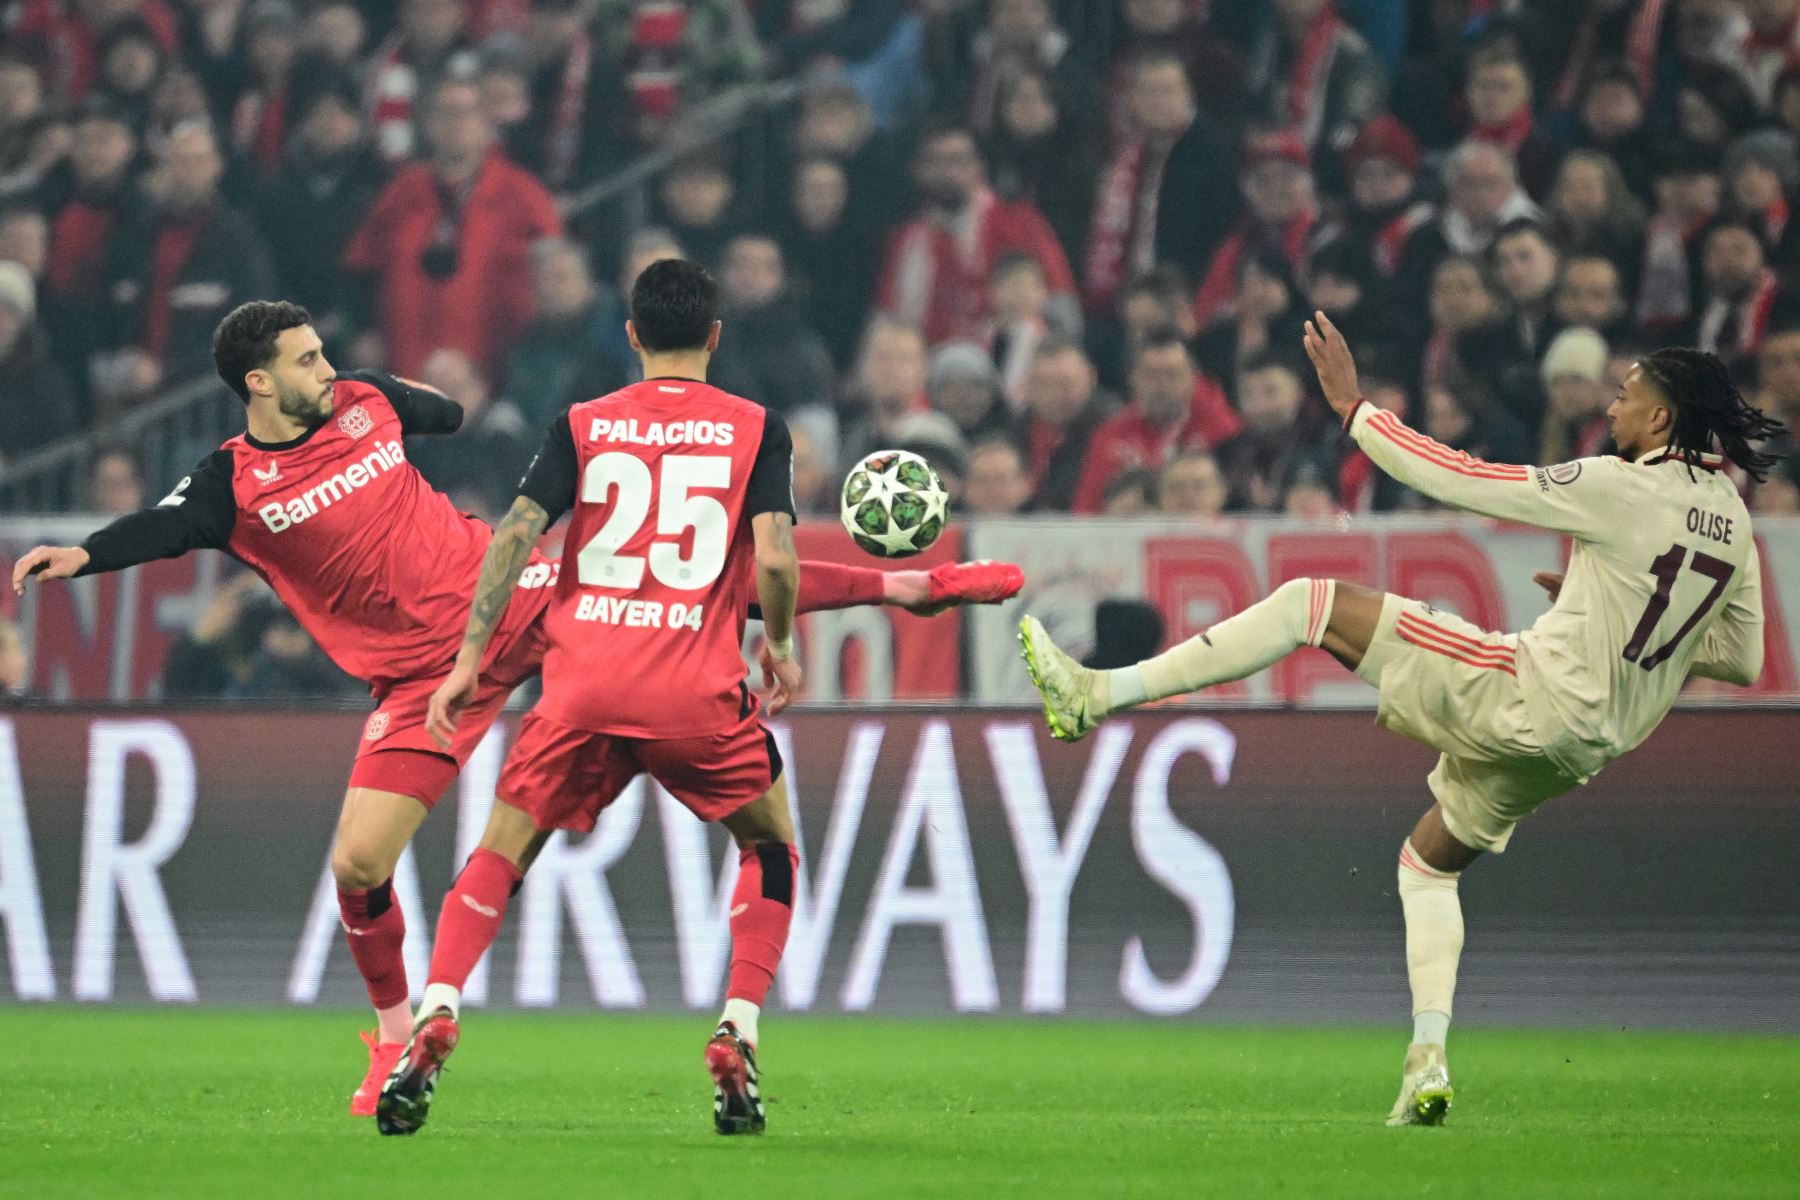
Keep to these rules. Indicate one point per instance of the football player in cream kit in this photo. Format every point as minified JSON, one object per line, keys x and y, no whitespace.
{"x":1663,"y":583}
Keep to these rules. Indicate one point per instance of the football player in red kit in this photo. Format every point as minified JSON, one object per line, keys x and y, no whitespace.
{"x":677,"y":489}
{"x":318,"y":498}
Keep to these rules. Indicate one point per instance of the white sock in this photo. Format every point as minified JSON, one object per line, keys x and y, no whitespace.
{"x":441,"y":995}
{"x":1434,"y":941}
{"x":1292,"y":616}
{"x":743,"y":1014}
{"x":1431,"y":1029}
{"x":396,"y":1022}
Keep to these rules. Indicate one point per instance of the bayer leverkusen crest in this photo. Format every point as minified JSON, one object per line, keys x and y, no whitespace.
{"x":356,"y":422}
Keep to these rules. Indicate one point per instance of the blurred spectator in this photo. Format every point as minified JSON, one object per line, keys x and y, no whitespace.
{"x":430,"y":45}
{"x":130,"y":61}
{"x":889,"y":383}
{"x":1464,"y":301}
{"x":768,"y":353}
{"x":1309,"y":493}
{"x":1165,"y":198}
{"x":312,"y":206}
{"x":1063,"y":409}
{"x":1283,"y":214}
{"x":176,"y":270}
{"x":672,"y":56}
{"x":965,"y":387}
{"x":447,"y":242}
{"x":938,"y":263}
{"x":561,"y":358}
{"x":488,"y":455}
{"x":36,"y":404}
{"x":1131,"y":494}
{"x":1778,"y":368}
{"x":997,"y":486}
{"x":1760,"y":173}
{"x":1769,"y":44}
{"x":1779,"y":494}
{"x":1313,"y":74}
{"x":1687,"y":197}
{"x":835,"y":122}
{"x":1343,"y":282}
{"x":115,"y":481}
{"x":263,"y":115}
{"x":1178,"y":27}
{"x":1589,"y":293}
{"x":334,"y":34}
{"x":1020,"y":294}
{"x":1498,"y":95}
{"x":1714,"y":105}
{"x":1454,"y":420}
{"x":1269,"y":313}
{"x":1282,"y":434}
{"x":1593,"y":212}
{"x":1739,"y":295}
{"x":1386,"y":205}
{"x":1361,"y":486}
{"x":1020,"y":36}
{"x":1575,"y":424}
{"x":1046,"y":150}
{"x":15,"y":666}
{"x":815,"y":482}
{"x":23,"y":164}
{"x":1484,"y":195}
{"x":66,"y":41}
{"x":1613,"y":122}
{"x":1506,"y":355}
{"x":833,"y":259}
{"x":822,"y":34}
{"x":696,"y":196}
{"x":1173,"y":407}
{"x":1192,"y":486}
{"x":25,"y":239}
{"x":98,"y":198}
{"x":935,"y":438}
{"x":565,"y":136}
{"x":287,"y":664}
{"x":178,"y":99}
{"x":1161,"y":298}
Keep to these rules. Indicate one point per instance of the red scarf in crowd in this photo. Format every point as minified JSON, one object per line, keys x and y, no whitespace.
{"x":259,"y":128}
{"x":1122,"y":239}
{"x":1217,"y":293}
{"x":1312,"y":74}
{"x":1391,"y":238}
{"x":1752,"y":317}
{"x":393,"y":84}
{"x":563,"y":145}
{"x":1509,"y":134}
{"x":173,"y":246}
{"x":1774,"y":220}
{"x":1641,"y":38}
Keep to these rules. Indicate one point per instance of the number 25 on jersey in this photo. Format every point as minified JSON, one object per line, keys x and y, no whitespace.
{"x":599,"y":563}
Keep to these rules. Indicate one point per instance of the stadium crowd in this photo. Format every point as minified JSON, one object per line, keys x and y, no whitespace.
{"x":1061,"y":247}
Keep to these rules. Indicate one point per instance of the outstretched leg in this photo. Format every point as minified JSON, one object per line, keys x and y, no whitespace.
{"x":1431,"y":864}
{"x":1339,"y":617}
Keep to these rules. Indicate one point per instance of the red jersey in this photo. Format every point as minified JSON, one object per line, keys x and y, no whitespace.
{"x":647,"y":621}
{"x":1127,"y":441}
{"x":372,"y":561}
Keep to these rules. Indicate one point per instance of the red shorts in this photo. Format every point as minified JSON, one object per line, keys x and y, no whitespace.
{"x":421,"y":768}
{"x":562,"y":777}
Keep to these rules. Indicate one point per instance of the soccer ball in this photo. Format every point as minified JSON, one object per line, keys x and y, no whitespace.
{"x":894,"y":504}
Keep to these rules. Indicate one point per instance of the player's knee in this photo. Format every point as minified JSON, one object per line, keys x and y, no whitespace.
{"x":359,"y":866}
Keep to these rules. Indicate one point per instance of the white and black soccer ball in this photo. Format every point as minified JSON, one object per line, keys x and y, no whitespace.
{"x":894,"y":504}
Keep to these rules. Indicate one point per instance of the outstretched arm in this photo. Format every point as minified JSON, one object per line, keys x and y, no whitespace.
{"x":197,"y":515}
{"x":1578,"y":498}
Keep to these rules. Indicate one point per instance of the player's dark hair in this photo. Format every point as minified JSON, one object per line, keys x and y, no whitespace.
{"x":673,"y":305}
{"x":245,"y":339}
{"x":1709,"y":410}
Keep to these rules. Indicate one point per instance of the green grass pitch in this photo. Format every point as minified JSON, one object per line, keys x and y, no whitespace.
{"x":204,"y":1103}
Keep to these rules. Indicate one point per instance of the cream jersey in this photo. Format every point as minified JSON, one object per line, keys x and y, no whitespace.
{"x":1663,"y":581}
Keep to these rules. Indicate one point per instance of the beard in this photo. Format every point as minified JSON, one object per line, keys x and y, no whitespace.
{"x":311,"y":409}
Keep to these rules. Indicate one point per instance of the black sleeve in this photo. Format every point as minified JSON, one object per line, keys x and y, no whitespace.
{"x":421,"y":409}
{"x":550,"y":479}
{"x":197,"y":515}
{"x":771,"y":488}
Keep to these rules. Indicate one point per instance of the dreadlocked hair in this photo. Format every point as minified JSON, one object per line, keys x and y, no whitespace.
{"x":1710,"y":410}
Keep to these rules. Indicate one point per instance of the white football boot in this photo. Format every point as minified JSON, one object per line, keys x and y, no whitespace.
{"x":1065,"y":684}
{"x":1425,"y":1091}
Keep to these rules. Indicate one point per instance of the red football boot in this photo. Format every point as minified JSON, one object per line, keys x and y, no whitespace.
{"x":737,"y":1102}
{"x":405,"y":1098}
{"x":983,"y":582}
{"x":382,"y":1057}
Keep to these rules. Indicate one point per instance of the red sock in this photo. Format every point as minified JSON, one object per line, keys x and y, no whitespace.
{"x":826,"y":585}
{"x":376,"y":930}
{"x":762,"y":905}
{"x":471,"y":918}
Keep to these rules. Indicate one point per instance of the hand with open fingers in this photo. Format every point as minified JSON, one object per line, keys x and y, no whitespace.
{"x":453,"y":695}
{"x":782,"y":676}
{"x":1332,"y":359}
{"x":47,"y":562}
{"x":1550,"y":581}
